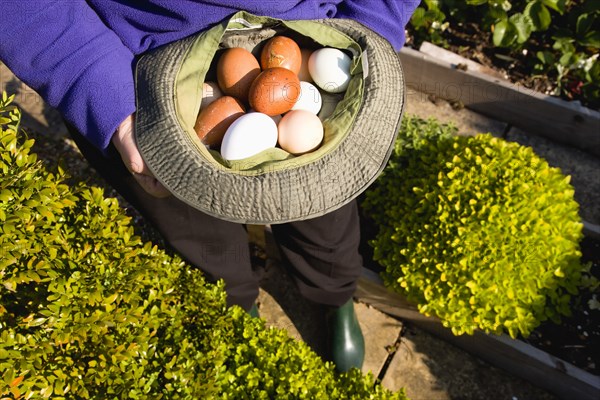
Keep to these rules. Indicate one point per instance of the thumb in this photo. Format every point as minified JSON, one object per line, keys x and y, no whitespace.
{"x":124,"y":142}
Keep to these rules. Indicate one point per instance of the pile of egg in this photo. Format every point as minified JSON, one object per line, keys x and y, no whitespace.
{"x":256,"y":106}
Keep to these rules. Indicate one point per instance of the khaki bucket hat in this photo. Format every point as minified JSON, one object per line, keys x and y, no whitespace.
{"x":273,"y":186}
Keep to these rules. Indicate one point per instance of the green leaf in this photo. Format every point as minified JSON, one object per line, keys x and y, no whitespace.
{"x":565,"y":45}
{"x":47,"y":391}
{"x":591,"y":39}
{"x":565,"y":59}
{"x":546,"y":57}
{"x":432,"y":4}
{"x":539,"y":15}
{"x":504,"y":33}
{"x":418,"y":17}
{"x":523,"y":27}
{"x":594,"y":72}
{"x":584,"y":24}
{"x":556,"y":5}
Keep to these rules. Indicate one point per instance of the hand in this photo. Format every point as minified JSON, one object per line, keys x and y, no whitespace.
{"x":125,"y":144}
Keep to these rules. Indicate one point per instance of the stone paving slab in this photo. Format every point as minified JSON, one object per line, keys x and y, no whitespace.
{"x":431,"y":369}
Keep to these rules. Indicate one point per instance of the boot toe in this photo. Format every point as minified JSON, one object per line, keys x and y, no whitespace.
{"x":346,"y":340}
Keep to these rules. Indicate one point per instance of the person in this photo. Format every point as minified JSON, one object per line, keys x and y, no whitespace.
{"x":79,"y":57}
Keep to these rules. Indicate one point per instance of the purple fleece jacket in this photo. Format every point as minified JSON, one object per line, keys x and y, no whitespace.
{"x":79,"y":55}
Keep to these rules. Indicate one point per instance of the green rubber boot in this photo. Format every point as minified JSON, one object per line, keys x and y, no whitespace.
{"x":346,"y":341}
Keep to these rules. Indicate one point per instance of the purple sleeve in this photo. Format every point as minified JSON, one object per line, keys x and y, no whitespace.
{"x":386,"y":17}
{"x":64,"y":52}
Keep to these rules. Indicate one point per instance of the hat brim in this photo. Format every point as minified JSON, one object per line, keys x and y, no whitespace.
{"x":276,"y":196}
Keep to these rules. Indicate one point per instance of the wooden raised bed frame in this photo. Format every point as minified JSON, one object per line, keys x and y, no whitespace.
{"x":540,"y":114}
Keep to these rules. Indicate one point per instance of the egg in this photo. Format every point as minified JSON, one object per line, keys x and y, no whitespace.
{"x":210,"y":92}
{"x":300,"y":132}
{"x":275,"y":118}
{"x":249,"y":135}
{"x":330,"y":69}
{"x":304,"y":75}
{"x":281,"y":51}
{"x":274,"y":91}
{"x":236,"y":70}
{"x":212,"y":122}
{"x":310,"y":98}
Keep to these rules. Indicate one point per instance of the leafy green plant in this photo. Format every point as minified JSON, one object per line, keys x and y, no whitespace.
{"x":476,"y":230}
{"x":556,"y":38}
{"x":429,"y":22}
{"x":88,"y":311}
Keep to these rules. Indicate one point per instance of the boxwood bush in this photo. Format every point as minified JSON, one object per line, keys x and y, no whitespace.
{"x":88,"y":311}
{"x":476,"y":230}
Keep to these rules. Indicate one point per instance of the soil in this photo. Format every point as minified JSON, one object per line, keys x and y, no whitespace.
{"x":577,"y":339}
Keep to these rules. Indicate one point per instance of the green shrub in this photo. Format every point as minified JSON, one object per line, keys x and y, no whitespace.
{"x":476,"y":230}
{"x":87,"y":311}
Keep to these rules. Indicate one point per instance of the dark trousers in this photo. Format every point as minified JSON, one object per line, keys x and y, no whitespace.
{"x":322,"y":253}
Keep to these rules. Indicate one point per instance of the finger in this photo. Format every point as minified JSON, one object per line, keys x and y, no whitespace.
{"x":151,"y":185}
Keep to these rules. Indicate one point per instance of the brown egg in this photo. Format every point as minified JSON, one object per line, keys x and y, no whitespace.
{"x":274,"y":91}
{"x":283,"y":52}
{"x":236,"y":70}
{"x":304,"y":75}
{"x":213,"y":121}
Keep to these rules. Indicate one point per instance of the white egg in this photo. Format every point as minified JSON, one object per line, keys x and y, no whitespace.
{"x":330,"y":69}
{"x":275,"y":118}
{"x":310,"y":98}
{"x":249,"y":135}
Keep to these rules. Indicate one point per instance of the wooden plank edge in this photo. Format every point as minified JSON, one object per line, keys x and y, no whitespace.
{"x":456,"y":60}
{"x":514,"y":356}
{"x":534,"y":112}
{"x":591,"y":230}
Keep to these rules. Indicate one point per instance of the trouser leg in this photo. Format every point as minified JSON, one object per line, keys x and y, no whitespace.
{"x":322,"y":254}
{"x":217,"y":247}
